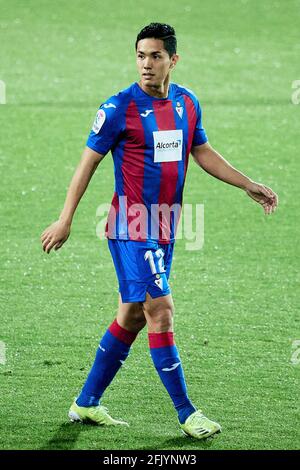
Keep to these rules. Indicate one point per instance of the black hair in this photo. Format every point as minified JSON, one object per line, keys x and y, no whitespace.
{"x":161,"y":31}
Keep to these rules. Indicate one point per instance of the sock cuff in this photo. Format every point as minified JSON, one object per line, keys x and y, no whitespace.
{"x":121,"y":334}
{"x":161,"y":340}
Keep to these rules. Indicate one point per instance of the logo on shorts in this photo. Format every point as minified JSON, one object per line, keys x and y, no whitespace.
{"x":159,"y":282}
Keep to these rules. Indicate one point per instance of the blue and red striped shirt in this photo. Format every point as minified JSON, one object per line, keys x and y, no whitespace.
{"x":150,"y":140}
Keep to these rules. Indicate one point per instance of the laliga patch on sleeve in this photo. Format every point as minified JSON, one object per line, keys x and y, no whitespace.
{"x":99,"y":120}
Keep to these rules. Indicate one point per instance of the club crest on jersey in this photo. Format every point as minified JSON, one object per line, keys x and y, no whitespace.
{"x":99,"y":120}
{"x":179,"y":109}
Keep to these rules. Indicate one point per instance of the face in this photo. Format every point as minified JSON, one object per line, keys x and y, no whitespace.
{"x":153,"y":62}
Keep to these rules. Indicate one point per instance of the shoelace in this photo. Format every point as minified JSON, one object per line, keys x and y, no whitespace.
{"x":94,"y":411}
{"x":198,"y":419}
{"x":103,"y":408}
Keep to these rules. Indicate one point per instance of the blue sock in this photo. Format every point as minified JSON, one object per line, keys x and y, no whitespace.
{"x":168,"y":365}
{"x":113,"y":350}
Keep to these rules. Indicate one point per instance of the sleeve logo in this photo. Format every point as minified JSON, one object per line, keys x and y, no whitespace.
{"x":109,"y":105}
{"x":99,"y":120}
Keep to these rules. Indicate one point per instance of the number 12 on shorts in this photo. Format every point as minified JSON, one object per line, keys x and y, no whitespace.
{"x":156,"y":261}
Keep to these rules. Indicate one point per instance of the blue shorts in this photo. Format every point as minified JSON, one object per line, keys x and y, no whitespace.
{"x":141,"y":267}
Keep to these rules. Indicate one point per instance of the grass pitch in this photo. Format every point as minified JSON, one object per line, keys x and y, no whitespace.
{"x":237,"y":300}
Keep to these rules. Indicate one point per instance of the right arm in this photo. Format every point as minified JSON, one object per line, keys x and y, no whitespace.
{"x":57,"y":233}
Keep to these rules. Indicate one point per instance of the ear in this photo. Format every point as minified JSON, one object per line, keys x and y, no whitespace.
{"x":174,"y":60}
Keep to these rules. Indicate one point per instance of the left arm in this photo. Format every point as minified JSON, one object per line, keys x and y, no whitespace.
{"x":214,"y":164}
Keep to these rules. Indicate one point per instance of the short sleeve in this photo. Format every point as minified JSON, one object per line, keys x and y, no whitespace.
{"x":200,"y":136}
{"x":106,"y":128}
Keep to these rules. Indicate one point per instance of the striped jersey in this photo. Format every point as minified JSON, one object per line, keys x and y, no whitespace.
{"x":150,"y":139}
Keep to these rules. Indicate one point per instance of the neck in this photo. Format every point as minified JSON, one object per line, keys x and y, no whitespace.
{"x":158,"y":91}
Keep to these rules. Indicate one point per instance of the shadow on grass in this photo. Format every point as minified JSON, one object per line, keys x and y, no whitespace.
{"x":181,"y":443}
{"x":64,"y":438}
{"x":67,"y":434}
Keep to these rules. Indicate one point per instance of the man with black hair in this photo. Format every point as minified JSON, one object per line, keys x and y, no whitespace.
{"x":150,"y":128}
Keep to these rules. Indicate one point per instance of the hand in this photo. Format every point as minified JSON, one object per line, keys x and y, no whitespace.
{"x":263,"y":195}
{"x":55,"y":235}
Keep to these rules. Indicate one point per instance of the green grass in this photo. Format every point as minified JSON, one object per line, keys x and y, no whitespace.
{"x":237,"y":300}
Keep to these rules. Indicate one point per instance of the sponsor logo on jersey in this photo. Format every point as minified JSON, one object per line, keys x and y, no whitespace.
{"x":147,"y":112}
{"x":167,"y":146}
{"x":99,"y":120}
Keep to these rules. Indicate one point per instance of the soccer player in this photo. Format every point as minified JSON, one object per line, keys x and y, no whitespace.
{"x":150,"y":128}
